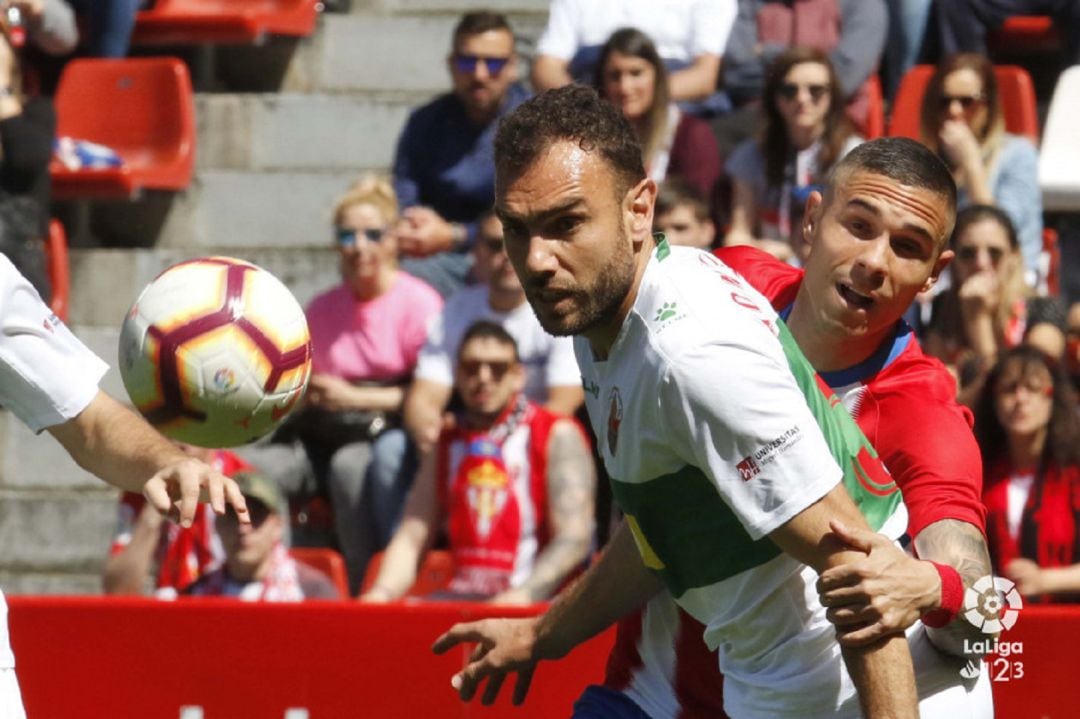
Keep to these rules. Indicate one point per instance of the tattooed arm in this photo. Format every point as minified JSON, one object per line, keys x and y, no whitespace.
{"x":961,"y":546}
{"x":571,"y":490}
{"x":888,"y":590}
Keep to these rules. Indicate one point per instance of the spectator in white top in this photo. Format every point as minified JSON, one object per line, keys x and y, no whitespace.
{"x":552,"y":375}
{"x":690,"y":34}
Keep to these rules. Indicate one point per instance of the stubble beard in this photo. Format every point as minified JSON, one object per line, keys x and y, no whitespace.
{"x":600,"y":304}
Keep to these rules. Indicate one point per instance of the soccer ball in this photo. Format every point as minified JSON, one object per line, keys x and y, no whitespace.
{"x":215,"y":352}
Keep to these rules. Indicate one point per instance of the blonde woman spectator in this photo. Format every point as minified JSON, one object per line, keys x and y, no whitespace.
{"x":963,"y":122}
{"x":366,"y":334}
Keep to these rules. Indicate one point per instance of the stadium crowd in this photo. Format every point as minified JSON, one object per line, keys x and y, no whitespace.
{"x":442,"y":418}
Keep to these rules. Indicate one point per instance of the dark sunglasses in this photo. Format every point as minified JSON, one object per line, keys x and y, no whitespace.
{"x":966,"y":101}
{"x":348,"y":238}
{"x":258,"y":512}
{"x":494,"y":245}
{"x":468,"y":63}
{"x":471,"y":368}
{"x":967,"y":254}
{"x":790,"y":90}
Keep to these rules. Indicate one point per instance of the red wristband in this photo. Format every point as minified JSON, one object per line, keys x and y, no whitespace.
{"x":952,"y":597}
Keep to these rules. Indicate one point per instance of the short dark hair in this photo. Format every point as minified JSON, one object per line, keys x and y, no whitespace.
{"x":676,"y":192}
{"x":486,"y":329}
{"x":572,"y":113}
{"x":980,"y":213}
{"x":478,"y":22}
{"x":902,"y":160}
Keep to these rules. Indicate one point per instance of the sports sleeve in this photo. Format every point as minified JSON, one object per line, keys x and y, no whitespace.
{"x":939,"y":467}
{"x":737,"y":413}
{"x":712,"y":21}
{"x":434,"y":362}
{"x":562,"y":367}
{"x":560,"y":36}
{"x":774,"y":278}
{"x":47,"y":376}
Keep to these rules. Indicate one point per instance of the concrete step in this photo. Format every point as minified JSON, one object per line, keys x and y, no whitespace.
{"x":397,"y":53}
{"x":299,"y":132}
{"x":49,"y":531}
{"x":61,"y":582}
{"x":106,"y":282}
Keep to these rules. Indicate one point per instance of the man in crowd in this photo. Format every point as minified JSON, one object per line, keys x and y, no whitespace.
{"x":443,"y":173}
{"x":257,"y":566}
{"x":683,"y":216}
{"x":49,"y":380}
{"x":726,"y":457}
{"x":513,"y":482}
{"x":551,"y":374}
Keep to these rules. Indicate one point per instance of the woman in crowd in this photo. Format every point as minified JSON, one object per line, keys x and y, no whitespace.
{"x":366,"y":334}
{"x":988,"y":307}
{"x":962,"y":121}
{"x":631,"y":75}
{"x":805,"y":132}
{"x":1028,"y":428}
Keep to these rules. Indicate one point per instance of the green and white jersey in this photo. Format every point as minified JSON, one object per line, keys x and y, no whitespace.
{"x":715,"y":431}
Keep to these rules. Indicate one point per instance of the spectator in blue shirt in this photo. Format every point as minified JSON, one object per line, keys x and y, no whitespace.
{"x":444,"y":172}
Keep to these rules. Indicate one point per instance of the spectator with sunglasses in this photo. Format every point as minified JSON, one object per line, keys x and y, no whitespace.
{"x":962,"y":120}
{"x":988,"y":306}
{"x":805,"y":132}
{"x":257,"y":565}
{"x":365,"y":336}
{"x":1028,"y":427}
{"x":443,"y":171}
{"x":551,"y":371}
{"x":510,"y":482}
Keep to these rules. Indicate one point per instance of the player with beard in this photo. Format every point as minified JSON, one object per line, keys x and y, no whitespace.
{"x":728,"y":460}
{"x":845,"y":311}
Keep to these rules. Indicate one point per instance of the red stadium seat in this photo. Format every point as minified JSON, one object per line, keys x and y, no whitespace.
{"x":57,"y":268}
{"x":327,"y":561}
{"x":1017,"y":95}
{"x":241,"y":22}
{"x":143,"y":109}
{"x":875,"y":114}
{"x":1027,"y":33}
{"x":436,"y":571}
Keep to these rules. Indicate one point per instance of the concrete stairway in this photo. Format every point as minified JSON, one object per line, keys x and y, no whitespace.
{"x":269,"y":168}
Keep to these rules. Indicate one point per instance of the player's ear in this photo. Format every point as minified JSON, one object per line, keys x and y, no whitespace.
{"x":641,"y":199}
{"x":815,"y":206}
{"x":940,"y":264}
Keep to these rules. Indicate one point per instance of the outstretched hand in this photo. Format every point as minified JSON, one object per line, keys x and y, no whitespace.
{"x":884,"y":593}
{"x":503,"y":646}
{"x":179,"y":487}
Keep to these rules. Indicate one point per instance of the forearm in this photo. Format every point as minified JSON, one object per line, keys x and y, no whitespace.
{"x":423,"y":411}
{"x":378,"y":399}
{"x":883,"y":675}
{"x":398,"y":569}
{"x":961,"y":546}
{"x":127,"y":570}
{"x":615,"y":585}
{"x":112,"y":442}
{"x":696,"y":81}
{"x":979,"y":327}
{"x":558,"y":559}
{"x":549,"y":73}
{"x":565,"y":399}
{"x":1062,"y":580}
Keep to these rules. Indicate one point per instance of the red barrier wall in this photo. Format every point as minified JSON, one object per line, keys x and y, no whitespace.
{"x":114,"y":659}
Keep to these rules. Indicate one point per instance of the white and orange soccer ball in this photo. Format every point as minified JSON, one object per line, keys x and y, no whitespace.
{"x":215,"y":352}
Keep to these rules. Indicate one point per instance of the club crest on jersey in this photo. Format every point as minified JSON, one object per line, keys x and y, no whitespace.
{"x":748,"y":469}
{"x":614,"y":419}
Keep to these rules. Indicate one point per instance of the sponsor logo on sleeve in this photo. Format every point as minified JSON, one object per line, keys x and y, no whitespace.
{"x":751,"y":465}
